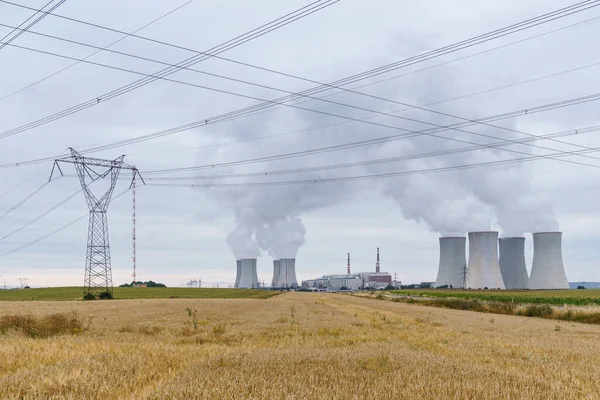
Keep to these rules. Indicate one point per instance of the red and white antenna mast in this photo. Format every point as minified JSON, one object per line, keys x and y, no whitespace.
{"x":377,"y":263}
{"x":133,"y":233}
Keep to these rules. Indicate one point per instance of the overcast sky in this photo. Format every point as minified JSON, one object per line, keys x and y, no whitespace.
{"x":182,"y":231}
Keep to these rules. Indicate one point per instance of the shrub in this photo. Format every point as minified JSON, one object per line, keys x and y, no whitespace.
{"x":89,"y":296}
{"x":106,"y":295}
{"x":43,"y":327}
{"x":537,"y":310}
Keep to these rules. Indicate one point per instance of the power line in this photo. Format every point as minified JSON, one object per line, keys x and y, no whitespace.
{"x":383,"y":175}
{"x":379,"y":140}
{"x":230,"y":44}
{"x":444,"y":127}
{"x":55,"y":231}
{"x":183,"y":127}
{"x":21,"y":31}
{"x":410,"y":106}
{"x":371,"y":162}
{"x":126,"y":35}
{"x":23,"y":201}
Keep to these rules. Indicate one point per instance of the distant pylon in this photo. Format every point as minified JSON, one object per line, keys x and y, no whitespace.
{"x":98,"y":273}
{"x":348,"y":263}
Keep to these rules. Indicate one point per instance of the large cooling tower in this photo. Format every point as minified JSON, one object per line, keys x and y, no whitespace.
{"x":247,"y":276}
{"x":484,"y":268}
{"x":512,"y":262}
{"x":548,"y":271}
{"x":238,"y":273}
{"x":452,"y":261}
{"x":276,"y":270}
{"x":287,"y":274}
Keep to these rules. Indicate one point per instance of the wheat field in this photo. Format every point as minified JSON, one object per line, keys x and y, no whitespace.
{"x":296,"y":346}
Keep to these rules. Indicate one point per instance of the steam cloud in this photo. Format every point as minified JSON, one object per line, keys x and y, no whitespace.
{"x":450,"y":203}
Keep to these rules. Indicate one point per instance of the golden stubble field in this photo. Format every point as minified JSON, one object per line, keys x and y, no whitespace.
{"x":297,"y":346}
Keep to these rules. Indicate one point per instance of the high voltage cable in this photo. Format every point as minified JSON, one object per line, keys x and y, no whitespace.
{"x":368,"y":142}
{"x":370,"y":162}
{"x":40,"y":216}
{"x":126,"y":35}
{"x":21,"y":31}
{"x":222,"y":144}
{"x":382,"y":175}
{"x":318,"y":89}
{"x":312,"y":98}
{"x":23,"y":201}
{"x":588,"y":4}
{"x":56,"y":230}
{"x":230,"y":44}
{"x":198,"y":123}
{"x":444,"y":127}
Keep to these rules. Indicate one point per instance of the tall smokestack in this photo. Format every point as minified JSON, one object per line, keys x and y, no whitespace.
{"x":276,"y":271}
{"x":452,"y":261}
{"x":348,"y":263}
{"x":377,"y":264}
{"x":484,"y":268}
{"x":548,"y":271}
{"x":248,"y":278}
{"x":287,"y":273}
{"x":512,"y":262}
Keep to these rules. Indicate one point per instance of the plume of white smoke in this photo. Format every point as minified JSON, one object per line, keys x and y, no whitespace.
{"x":282,"y":238}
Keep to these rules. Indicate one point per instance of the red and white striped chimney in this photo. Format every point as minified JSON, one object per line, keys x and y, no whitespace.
{"x":348,"y":263}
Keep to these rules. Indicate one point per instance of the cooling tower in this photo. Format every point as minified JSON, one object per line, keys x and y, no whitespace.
{"x":548,"y":271}
{"x":239,"y":273}
{"x":275,"y":281}
{"x":287,"y":274}
{"x":452,"y":262}
{"x":484,"y":268}
{"x":247,"y":277}
{"x":512,"y":262}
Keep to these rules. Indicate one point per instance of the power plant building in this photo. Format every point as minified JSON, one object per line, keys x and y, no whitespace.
{"x":356,"y":281}
{"x":484,"y":268}
{"x":247,"y":276}
{"x":453,"y":262}
{"x":548,"y":271}
{"x":512,"y":262}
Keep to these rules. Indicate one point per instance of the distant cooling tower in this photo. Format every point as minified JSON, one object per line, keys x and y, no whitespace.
{"x":276,"y":270}
{"x":247,"y":276}
{"x":239,"y":273}
{"x":287,"y":274}
{"x":548,"y":271}
{"x":452,"y":262}
{"x":484,"y":268}
{"x":512,"y":262}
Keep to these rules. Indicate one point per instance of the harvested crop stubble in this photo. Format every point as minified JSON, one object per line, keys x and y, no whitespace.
{"x":296,"y":346}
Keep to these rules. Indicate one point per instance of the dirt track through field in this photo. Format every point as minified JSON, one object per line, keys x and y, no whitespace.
{"x":297,"y":346}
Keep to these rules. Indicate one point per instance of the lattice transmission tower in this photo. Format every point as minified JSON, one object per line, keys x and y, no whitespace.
{"x":98,"y":273}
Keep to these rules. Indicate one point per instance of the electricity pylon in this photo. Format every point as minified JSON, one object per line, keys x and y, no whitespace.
{"x":98,"y":273}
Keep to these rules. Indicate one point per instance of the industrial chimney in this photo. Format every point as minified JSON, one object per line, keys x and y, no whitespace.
{"x":484,"y":268}
{"x":348,"y":263}
{"x":276,"y":270}
{"x":287,"y":274}
{"x":512,"y":262}
{"x":548,"y":271}
{"x":377,"y":263}
{"x":452,"y":262}
{"x":247,"y":277}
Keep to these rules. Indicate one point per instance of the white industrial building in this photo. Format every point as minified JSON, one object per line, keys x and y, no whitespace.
{"x":356,"y":281}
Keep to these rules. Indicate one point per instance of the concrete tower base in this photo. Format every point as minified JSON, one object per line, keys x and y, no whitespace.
{"x":287,"y":274}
